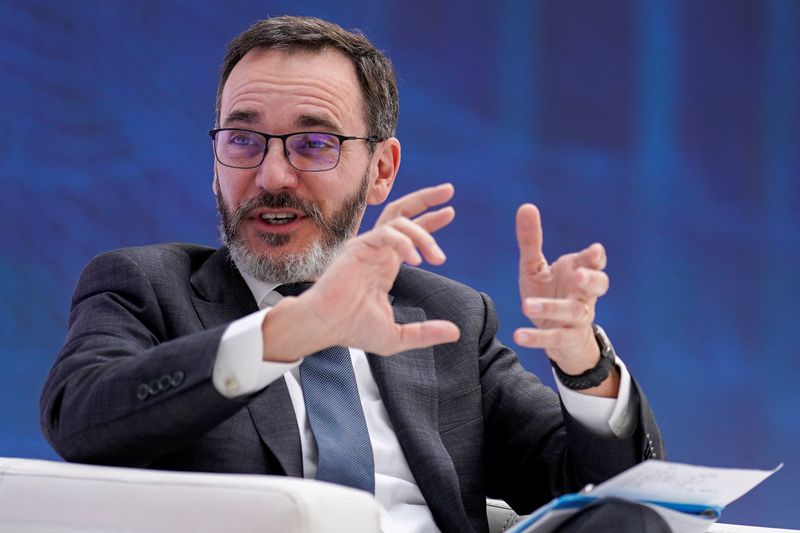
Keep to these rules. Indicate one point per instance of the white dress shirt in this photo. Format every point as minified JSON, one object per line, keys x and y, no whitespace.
{"x":240,"y":369}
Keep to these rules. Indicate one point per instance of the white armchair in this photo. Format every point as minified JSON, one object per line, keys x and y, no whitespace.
{"x":47,"y":496}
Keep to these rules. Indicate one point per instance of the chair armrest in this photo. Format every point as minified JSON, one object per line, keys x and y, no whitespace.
{"x":500,"y":515}
{"x":39,"y":496}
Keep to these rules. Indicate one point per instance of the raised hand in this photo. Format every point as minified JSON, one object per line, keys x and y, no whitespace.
{"x":559,"y":298}
{"x":418,"y":202}
{"x":349,"y":304}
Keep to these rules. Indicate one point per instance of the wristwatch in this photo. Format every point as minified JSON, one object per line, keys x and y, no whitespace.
{"x":594,"y":376}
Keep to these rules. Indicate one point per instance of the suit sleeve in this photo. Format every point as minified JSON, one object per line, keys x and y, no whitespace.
{"x":125,"y":389}
{"x":534,"y":449}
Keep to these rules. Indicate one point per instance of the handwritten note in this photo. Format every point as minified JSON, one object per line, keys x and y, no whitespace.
{"x":689,"y":498}
{"x":681,"y":483}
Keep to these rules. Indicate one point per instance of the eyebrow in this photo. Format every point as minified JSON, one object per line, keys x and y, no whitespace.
{"x":316,"y":121}
{"x":242,"y":116}
{"x":250,"y":118}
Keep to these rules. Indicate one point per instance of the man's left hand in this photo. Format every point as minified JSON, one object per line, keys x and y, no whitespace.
{"x":560,"y":299}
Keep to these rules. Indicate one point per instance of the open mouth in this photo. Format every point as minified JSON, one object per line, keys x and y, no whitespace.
{"x":278,"y":219}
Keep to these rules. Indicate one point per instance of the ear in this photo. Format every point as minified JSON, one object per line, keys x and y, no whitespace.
{"x":385,"y":163}
{"x":215,"y":180}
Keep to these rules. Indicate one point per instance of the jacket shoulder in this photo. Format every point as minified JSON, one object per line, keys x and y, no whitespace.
{"x":436,"y":293}
{"x":158,"y":264}
{"x":156,"y":258}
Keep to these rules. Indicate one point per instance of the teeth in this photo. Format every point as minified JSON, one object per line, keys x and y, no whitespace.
{"x":278,"y":218}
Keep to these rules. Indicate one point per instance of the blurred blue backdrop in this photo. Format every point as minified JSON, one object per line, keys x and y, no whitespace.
{"x":668,"y":130}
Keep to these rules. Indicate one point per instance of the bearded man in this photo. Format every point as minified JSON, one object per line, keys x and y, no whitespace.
{"x":301,"y":348}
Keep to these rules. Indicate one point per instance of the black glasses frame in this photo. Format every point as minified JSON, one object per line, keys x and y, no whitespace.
{"x":283,"y":137}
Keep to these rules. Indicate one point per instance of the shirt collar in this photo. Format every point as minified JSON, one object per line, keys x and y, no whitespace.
{"x":263,"y":292}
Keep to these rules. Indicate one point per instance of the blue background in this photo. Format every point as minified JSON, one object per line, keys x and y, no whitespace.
{"x":668,"y":130}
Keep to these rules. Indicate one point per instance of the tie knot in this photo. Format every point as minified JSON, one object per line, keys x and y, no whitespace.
{"x":293,"y":289}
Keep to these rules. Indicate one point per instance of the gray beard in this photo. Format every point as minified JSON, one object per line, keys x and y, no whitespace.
{"x":306,"y":265}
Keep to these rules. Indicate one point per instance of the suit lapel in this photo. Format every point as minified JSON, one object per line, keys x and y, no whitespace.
{"x":222,"y":296}
{"x":220,"y":293}
{"x":273,"y":415}
{"x":408,"y":387}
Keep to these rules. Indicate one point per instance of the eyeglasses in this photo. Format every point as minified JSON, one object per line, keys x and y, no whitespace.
{"x":307,"y":151}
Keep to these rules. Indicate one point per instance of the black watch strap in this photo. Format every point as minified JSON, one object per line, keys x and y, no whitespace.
{"x":594,"y":376}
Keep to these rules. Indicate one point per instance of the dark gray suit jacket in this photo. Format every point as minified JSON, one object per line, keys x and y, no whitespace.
{"x":132,"y":386}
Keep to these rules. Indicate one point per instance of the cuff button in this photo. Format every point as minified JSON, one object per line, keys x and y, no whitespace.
{"x":143,"y":391}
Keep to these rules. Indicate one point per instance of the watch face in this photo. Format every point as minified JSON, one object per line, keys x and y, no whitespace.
{"x":606,"y":349}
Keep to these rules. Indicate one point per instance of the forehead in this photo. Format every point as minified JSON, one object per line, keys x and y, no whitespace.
{"x":280,"y":88}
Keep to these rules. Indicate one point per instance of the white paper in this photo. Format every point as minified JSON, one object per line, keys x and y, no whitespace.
{"x":661,"y":481}
{"x":668,"y":483}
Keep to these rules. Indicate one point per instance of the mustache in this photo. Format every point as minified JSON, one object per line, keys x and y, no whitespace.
{"x":278,"y":201}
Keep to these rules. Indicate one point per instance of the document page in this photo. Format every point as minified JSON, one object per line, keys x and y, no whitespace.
{"x":661,"y":481}
{"x":689,"y":498}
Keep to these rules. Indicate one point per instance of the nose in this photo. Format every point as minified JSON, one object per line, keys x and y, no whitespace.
{"x":275,"y":173}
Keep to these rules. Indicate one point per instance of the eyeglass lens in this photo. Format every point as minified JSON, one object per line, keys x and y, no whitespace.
{"x":306,"y":151}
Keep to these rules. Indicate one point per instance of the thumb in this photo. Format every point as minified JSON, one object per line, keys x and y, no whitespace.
{"x":529,"y":239}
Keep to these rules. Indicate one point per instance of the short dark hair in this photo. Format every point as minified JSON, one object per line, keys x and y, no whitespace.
{"x":290,"y":34}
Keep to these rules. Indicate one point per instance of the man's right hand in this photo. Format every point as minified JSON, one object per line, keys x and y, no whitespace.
{"x":349,"y":304}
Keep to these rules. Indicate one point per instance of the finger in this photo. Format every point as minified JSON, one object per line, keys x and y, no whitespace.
{"x":436,"y":220}
{"x":529,"y":239}
{"x":549,"y":338}
{"x":416,"y":202}
{"x":423,"y":335}
{"x":563,"y":311}
{"x":423,"y":240}
{"x":390,"y":237}
{"x":589,"y":283}
{"x":593,"y":256}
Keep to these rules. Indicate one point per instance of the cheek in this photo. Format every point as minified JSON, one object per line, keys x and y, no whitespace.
{"x":331,"y":192}
{"x":350,"y":160}
{"x":350,"y":171}
{"x":233,"y":186}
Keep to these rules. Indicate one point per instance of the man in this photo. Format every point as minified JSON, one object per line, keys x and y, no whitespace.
{"x":188,"y":358}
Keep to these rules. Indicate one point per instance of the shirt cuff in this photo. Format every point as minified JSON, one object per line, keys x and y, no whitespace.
{"x":240,"y":368}
{"x":606,"y":417}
